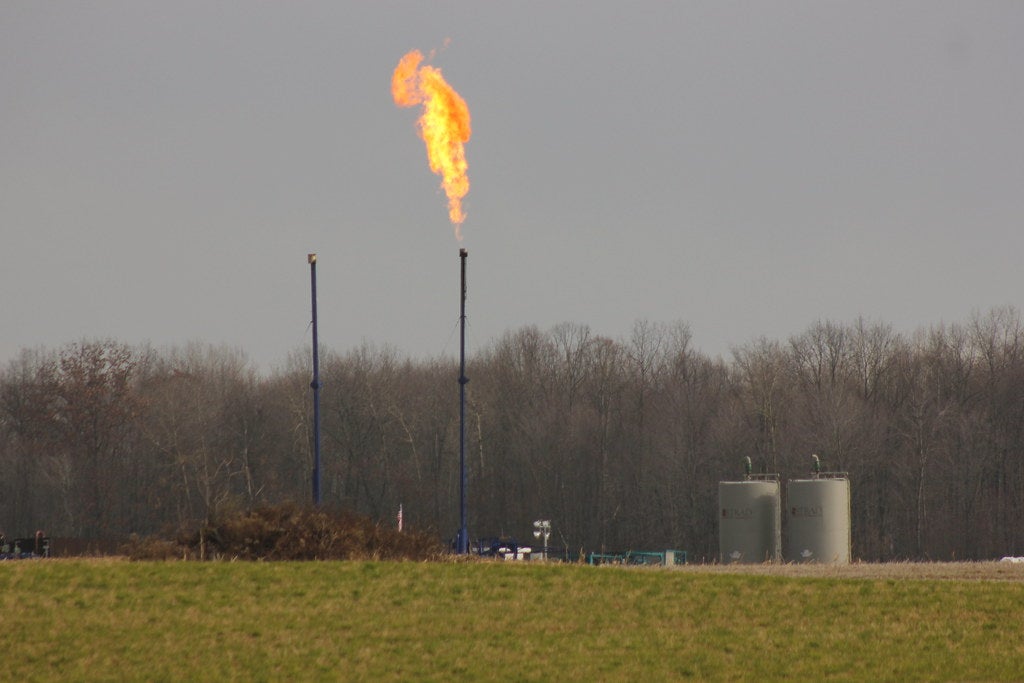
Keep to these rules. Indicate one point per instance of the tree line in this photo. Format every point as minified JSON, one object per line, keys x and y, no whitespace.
{"x":621,"y":443}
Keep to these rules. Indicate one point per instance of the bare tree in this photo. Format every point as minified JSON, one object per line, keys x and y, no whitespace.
{"x":204,"y":420}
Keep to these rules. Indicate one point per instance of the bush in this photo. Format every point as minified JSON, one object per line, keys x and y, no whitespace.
{"x":289,"y":532}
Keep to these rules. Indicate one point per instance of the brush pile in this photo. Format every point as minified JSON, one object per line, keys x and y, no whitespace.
{"x":289,"y":532}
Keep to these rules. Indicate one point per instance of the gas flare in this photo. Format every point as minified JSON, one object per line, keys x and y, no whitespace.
{"x":443,"y":126}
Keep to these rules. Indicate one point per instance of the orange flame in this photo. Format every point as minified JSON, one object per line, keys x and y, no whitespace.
{"x":443,"y":126}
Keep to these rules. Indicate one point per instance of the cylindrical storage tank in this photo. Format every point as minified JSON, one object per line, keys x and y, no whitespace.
{"x":818,"y":521}
{"x":750,"y":521}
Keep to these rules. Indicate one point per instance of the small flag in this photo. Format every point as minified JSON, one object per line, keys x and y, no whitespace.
{"x":399,"y":517}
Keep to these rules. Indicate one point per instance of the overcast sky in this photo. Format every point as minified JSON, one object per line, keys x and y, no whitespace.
{"x":746,"y":167}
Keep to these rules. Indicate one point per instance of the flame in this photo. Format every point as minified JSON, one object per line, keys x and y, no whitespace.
{"x":443,"y":126}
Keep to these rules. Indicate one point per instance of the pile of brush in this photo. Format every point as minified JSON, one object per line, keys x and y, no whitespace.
{"x":290,"y":532}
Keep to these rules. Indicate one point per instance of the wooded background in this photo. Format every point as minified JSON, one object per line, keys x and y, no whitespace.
{"x":621,"y":443}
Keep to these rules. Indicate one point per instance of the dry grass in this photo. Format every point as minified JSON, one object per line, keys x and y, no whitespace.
{"x":929,"y":571}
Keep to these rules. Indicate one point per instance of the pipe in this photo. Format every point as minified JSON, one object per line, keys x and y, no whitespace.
{"x":463,"y":541}
{"x":315,"y":385}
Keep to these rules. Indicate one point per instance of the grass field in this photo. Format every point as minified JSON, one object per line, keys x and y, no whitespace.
{"x":118,"y":620}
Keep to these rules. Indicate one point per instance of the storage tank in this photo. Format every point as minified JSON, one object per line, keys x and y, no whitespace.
{"x":750,"y":520}
{"x":818,"y":519}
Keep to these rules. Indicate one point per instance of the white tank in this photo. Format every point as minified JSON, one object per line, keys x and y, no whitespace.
{"x":818,"y":520}
{"x":750,"y":521}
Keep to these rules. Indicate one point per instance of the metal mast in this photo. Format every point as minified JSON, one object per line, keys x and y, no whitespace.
{"x":315,"y":384}
{"x":463,"y":541}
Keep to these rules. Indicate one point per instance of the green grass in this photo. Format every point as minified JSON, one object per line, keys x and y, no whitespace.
{"x":116,"y":620}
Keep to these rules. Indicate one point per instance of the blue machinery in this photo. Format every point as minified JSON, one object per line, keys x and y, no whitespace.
{"x":636,"y":557}
{"x":24,"y":548}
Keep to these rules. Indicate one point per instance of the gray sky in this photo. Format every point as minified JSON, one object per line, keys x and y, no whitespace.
{"x":746,"y":167}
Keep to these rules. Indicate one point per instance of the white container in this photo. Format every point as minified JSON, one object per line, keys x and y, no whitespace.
{"x":818,"y":519}
{"x":750,"y":521}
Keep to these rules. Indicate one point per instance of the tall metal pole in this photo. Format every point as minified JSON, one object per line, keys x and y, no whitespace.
{"x":316,"y":387}
{"x":463,"y":543}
